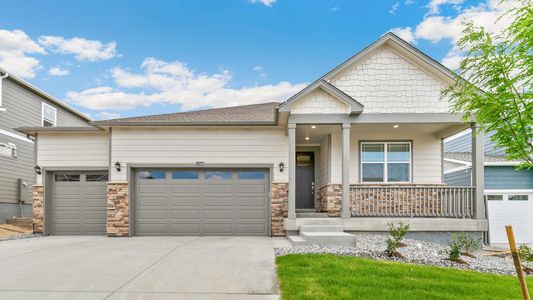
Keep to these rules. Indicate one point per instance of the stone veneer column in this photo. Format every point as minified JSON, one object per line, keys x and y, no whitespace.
{"x":330,"y":198}
{"x":118,"y":220}
{"x":38,"y":208}
{"x":279,"y":208}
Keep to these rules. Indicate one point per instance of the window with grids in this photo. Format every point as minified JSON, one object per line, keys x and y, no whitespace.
{"x":49,"y":115}
{"x":386,"y":162}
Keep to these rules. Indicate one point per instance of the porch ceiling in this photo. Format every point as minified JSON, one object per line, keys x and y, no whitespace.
{"x":441,"y":130}
{"x":314,"y":135}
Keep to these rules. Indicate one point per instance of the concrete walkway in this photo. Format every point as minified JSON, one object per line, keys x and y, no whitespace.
{"x":138,"y":268}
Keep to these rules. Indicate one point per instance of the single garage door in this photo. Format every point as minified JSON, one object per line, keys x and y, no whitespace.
{"x":514,"y":208}
{"x":79,"y":203}
{"x":201,"y":202}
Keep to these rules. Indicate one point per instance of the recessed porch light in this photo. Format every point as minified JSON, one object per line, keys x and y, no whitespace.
{"x":313,"y":126}
{"x":306,"y":138}
{"x":395,"y":125}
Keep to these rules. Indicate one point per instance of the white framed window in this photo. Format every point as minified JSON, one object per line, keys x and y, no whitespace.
{"x":384,"y":162}
{"x":49,"y":115}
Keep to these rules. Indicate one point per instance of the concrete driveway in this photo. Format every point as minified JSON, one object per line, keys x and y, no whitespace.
{"x":74,"y":267}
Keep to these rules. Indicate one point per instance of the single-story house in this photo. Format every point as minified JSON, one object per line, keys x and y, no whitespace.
{"x":508,"y":191}
{"x":359,"y":147}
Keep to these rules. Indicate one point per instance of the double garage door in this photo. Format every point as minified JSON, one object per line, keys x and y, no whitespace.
{"x":201,"y":202}
{"x":166,"y":202}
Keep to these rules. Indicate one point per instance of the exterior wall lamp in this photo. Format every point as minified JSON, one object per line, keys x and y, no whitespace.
{"x":117,"y":166}
{"x":281,"y":166}
{"x":38,"y":170}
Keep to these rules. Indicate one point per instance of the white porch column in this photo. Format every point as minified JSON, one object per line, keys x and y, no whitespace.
{"x":478,"y":170}
{"x":346,"y":214}
{"x":292,"y":171}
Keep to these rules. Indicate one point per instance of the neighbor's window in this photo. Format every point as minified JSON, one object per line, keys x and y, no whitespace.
{"x":386,"y":162}
{"x":517,"y":198}
{"x":494,"y":197}
{"x":152,"y":175}
{"x":49,"y":115}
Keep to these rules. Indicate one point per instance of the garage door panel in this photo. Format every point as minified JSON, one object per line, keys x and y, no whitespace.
{"x":203,"y":202}
{"x":217,"y":189}
{"x":185,"y":214}
{"x":517,"y":213}
{"x":251,"y":189}
{"x":184,"y":188}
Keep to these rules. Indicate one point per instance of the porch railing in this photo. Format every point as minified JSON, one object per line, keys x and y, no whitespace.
{"x":412,"y":201}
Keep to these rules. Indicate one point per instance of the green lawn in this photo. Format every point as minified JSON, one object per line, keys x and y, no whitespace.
{"x":318,"y":276}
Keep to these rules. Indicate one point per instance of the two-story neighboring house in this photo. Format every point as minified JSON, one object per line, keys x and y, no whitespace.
{"x":357,"y":149}
{"x":508,"y":192}
{"x":22,"y":104}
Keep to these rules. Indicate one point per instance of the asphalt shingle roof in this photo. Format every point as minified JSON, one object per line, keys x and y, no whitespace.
{"x":467,"y":156}
{"x":253,"y":113}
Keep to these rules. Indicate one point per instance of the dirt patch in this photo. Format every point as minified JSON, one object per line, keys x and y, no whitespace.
{"x":459,"y":261}
{"x":8,"y":230}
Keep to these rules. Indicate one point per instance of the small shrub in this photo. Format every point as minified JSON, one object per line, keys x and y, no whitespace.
{"x":454,"y":253}
{"x":525,"y":253}
{"x":468,"y":244}
{"x":392,"y":246}
{"x":398,"y":232}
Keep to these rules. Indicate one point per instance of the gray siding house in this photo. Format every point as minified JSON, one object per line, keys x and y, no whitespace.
{"x":508,"y":192}
{"x":22,"y":104}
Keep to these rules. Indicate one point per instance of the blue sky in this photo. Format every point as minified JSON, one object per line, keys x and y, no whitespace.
{"x":118,"y":58}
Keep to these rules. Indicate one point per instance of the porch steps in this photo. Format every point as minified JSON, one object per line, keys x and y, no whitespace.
{"x":322,"y":234}
{"x":311,"y":215}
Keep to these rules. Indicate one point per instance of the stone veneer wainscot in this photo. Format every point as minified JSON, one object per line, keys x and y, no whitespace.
{"x":117,"y":209}
{"x":279,"y":207}
{"x":38,"y":208}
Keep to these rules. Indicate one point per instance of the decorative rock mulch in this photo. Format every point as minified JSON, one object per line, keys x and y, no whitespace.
{"x":21,"y":236}
{"x":416,"y":251}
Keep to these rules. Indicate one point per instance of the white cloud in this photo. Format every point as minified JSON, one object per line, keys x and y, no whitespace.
{"x":161,"y":82}
{"x":405,"y":33}
{"x":394,"y":8}
{"x":15,"y":46}
{"x":264,"y":2}
{"x":408,"y":2}
{"x":259,"y":71}
{"x":58,"y":71}
{"x":82,"y":49}
{"x":434,"y":5}
{"x":436,"y":28}
{"x":105,"y":115}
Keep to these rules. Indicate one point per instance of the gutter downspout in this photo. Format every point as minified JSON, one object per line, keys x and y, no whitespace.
{"x":1,"y":78}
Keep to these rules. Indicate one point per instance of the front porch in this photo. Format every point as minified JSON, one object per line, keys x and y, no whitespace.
{"x":365,"y":189}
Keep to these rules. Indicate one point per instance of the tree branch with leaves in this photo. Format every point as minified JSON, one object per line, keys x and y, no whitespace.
{"x":494,"y":83}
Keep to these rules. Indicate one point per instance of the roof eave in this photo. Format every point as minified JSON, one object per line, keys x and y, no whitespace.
{"x":32,"y":130}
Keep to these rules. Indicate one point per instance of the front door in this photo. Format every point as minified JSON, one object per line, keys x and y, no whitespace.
{"x":305,"y":180}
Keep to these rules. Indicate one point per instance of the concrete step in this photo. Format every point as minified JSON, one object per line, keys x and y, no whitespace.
{"x":311,"y":215}
{"x":296,"y":240}
{"x":321,"y":228}
{"x":336,"y":238}
{"x":305,"y":210}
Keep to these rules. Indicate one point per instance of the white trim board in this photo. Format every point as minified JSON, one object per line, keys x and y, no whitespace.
{"x":16,"y":136}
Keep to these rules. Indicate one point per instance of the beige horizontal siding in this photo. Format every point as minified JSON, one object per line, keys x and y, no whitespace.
{"x":256,"y":145}
{"x":82,"y":149}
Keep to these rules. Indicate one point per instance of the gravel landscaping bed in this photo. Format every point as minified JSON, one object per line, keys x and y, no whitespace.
{"x":20,"y":236}
{"x":419,"y":252}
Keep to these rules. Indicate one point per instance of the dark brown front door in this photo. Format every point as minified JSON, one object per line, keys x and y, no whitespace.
{"x":305,"y":180}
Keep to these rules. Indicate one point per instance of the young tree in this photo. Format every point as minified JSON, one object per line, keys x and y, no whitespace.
{"x":494,"y":82}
